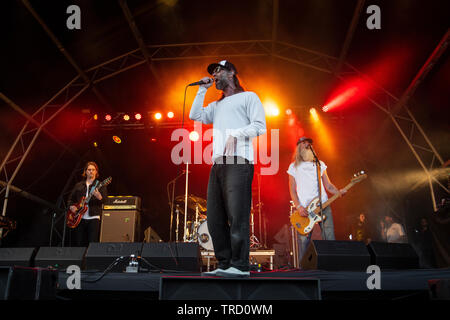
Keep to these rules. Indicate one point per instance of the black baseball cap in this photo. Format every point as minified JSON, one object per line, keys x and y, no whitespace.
{"x":224,"y":64}
{"x":304,"y":139}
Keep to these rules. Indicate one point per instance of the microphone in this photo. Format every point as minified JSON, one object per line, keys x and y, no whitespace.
{"x":198,"y":83}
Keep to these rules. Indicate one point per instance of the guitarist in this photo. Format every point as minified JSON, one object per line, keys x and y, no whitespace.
{"x":303,"y":188}
{"x":89,"y":228}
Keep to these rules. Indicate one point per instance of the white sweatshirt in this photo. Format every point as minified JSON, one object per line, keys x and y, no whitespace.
{"x":240,"y":115}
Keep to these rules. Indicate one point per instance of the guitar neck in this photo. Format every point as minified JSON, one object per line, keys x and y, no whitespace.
{"x":335,"y":196}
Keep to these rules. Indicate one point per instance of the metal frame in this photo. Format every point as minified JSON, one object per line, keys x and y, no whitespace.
{"x":251,"y":48}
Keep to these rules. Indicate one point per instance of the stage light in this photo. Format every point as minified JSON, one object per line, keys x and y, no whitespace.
{"x":325,"y":108}
{"x":126,"y":117}
{"x":158,"y":116}
{"x":108,"y":117}
{"x":95,"y":144}
{"x":288,"y":112}
{"x":314,"y":114}
{"x":271,"y":109}
{"x":96,"y":117}
{"x":138,"y":116}
{"x":116,"y":139}
{"x":194,"y":136}
{"x":170,"y":115}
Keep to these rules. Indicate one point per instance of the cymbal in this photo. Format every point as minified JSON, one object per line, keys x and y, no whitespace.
{"x":193,"y":202}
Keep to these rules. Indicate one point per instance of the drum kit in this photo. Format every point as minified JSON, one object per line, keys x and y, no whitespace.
{"x":196,"y":229}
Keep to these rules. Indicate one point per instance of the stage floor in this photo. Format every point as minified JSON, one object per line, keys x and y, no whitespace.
{"x":394,"y":284}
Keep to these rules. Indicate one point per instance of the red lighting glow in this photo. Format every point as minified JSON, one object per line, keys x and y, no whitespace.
{"x":116,"y":139}
{"x":108,"y":117}
{"x":170,"y":114}
{"x":126,"y":117}
{"x":138,"y":116}
{"x":351,"y":92}
{"x":158,"y":116}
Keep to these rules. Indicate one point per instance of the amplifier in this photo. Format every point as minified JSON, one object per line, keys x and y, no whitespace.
{"x":122,"y":203}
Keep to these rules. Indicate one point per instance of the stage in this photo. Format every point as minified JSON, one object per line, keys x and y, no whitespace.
{"x":333,"y":285}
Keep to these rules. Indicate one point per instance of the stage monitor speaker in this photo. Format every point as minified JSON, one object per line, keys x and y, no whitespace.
{"x":24,"y":283}
{"x":393,"y":255}
{"x":60,"y":257}
{"x":151,"y":236}
{"x":334,"y":255}
{"x":23,"y":257}
{"x":100,"y":256}
{"x":179,"y":256}
{"x":209,"y":288}
{"x":120,"y":226}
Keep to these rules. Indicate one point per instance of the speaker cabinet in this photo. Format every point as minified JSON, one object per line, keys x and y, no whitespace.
{"x":23,"y":283}
{"x":17,"y":257}
{"x":60,"y":258}
{"x":211,"y":288}
{"x":336,"y":256}
{"x":164,"y":256}
{"x":393,"y":255}
{"x":179,"y":256}
{"x":100,"y":256}
{"x":120,"y":226}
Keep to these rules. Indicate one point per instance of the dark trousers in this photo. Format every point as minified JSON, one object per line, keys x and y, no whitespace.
{"x":228,"y":209}
{"x":87,"y":231}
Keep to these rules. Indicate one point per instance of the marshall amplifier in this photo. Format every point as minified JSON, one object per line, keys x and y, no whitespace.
{"x":122,"y":203}
{"x":121,"y":221}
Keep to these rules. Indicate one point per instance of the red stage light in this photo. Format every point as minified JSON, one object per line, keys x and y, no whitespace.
{"x":158,"y":116}
{"x":108,"y":117}
{"x":138,"y":116}
{"x":116,"y":139}
{"x":170,"y":115}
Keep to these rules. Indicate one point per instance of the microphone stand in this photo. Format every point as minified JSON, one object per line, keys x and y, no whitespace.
{"x":319,"y":186}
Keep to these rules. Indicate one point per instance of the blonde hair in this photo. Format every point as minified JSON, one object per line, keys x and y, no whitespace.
{"x":297,"y":156}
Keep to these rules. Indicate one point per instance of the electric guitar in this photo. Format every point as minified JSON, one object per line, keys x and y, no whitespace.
{"x":74,"y":218}
{"x":304,"y":225}
{"x":7,"y":224}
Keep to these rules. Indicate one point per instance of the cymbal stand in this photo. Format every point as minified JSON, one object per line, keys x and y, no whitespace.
{"x":294,"y":242}
{"x":178,"y":222}
{"x":196,"y":224}
{"x":171,"y":196}
{"x":186,"y":202}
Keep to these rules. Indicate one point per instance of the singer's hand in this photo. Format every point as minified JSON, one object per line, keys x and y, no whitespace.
{"x":302,"y":211}
{"x":208,"y":84}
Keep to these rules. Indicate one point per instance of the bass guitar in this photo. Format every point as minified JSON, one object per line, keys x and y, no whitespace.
{"x":74,"y":218}
{"x":304,"y":225}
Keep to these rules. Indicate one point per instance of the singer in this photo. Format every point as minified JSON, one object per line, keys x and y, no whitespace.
{"x":237,"y":117}
{"x":303,"y":187}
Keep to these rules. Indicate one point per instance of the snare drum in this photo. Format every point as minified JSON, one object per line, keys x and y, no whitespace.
{"x":204,"y":238}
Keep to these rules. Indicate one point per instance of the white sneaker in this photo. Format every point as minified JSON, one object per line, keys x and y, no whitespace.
{"x":212,"y":273}
{"x":233,"y":272}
